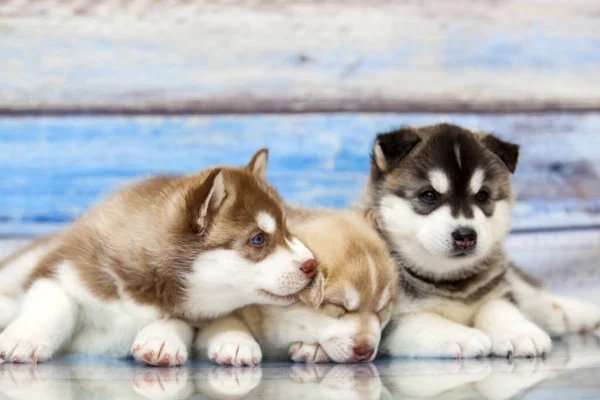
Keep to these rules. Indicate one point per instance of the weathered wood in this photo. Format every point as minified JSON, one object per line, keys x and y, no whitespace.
{"x":53,"y":169}
{"x":172,"y":56}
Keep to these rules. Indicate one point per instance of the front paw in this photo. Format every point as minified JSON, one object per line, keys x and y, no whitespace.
{"x":581,"y":316}
{"x":234,"y":349}
{"x":520,"y":339}
{"x":466,"y":343}
{"x":161,"y":349}
{"x":308,"y":353}
{"x":24,"y":345}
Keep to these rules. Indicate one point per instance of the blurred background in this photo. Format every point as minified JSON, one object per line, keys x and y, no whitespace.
{"x":96,"y":93}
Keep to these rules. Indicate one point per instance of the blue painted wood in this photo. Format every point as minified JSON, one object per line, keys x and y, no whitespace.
{"x":53,"y":169}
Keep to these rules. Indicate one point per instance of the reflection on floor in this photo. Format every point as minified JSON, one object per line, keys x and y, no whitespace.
{"x":571,"y":372}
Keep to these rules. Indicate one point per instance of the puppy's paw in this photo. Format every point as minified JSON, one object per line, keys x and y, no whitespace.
{"x":559,"y":315}
{"x":162,"y":348}
{"x":159,"y":384}
{"x":234,"y":349}
{"x":466,"y":343}
{"x":520,"y":339}
{"x":308,"y":353}
{"x":19,"y":344}
{"x":581,"y":316}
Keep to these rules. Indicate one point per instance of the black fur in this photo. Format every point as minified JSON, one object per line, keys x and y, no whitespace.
{"x":438,"y":152}
{"x":395,"y":146}
{"x":507,"y":152}
{"x":433,"y":148}
{"x":477,"y":282}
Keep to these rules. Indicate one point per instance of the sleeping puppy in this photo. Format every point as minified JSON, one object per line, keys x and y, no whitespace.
{"x":344,"y":310}
{"x":148,"y":263}
{"x":441,"y":197}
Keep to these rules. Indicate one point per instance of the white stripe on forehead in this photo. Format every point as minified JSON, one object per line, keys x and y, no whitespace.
{"x":439,"y":181}
{"x":457,"y":154}
{"x":266,"y":222}
{"x":352,"y":299}
{"x":476,"y":180}
{"x":385,"y":298}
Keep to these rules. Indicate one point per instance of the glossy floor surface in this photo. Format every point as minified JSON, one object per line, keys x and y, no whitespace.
{"x":572,"y":371}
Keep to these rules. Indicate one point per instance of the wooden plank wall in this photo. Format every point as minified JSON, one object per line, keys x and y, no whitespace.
{"x":54,"y":168}
{"x":148,"y":56}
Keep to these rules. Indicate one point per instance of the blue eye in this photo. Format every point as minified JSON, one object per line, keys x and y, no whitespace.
{"x":258,"y":240}
{"x":428,"y":196}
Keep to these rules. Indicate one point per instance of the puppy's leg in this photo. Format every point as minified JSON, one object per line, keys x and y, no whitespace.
{"x":431,"y":335}
{"x":308,"y":353}
{"x":8,"y":311}
{"x":511,"y":333}
{"x":46,"y":321}
{"x":165,"y":342}
{"x":228,"y":341}
{"x":559,"y":315}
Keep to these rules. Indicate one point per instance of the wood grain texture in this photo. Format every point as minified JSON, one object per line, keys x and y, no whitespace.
{"x":53,"y":169}
{"x":243,"y":56}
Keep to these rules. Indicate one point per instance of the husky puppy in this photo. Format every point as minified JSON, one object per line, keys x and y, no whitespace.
{"x":345,"y":308}
{"x":441,"y":197}
{"x":148,"y":263}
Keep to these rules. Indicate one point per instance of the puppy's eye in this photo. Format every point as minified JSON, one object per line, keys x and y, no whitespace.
{"x":482,"y":196}
{"x":429,"y":196}
{"x":258,"y":239}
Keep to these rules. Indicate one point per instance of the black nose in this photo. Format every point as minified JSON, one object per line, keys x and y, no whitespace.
{"x":465,"y":237}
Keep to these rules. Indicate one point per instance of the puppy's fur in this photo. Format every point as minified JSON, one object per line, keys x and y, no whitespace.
{"x":345,"y":308}
{"x":456,"y":298}
{"x":150,"y":262}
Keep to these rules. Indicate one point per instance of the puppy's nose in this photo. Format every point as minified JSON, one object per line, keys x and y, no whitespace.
{"x":465,"y":237}
{"x":309,"y":268}
{"x":363,"y":352}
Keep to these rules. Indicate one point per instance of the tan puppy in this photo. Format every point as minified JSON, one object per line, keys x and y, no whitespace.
{"x":153,"y":259}
{"x":344,"y":311}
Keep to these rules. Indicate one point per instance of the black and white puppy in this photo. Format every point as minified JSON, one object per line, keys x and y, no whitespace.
{"x":441,"y":197}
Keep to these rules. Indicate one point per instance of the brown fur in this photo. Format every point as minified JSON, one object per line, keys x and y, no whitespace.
{"x":148,"y":235}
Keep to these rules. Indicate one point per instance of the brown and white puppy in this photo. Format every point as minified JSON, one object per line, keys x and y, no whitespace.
{"x":148,"y":263}
{"x":441,"y":197}
{"x":345,"y":309}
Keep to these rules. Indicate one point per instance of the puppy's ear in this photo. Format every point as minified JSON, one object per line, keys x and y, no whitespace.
{"x":506,"y":151}
{"x":314,"y":293}
{"x":258,"y":165}
{"x":204,"y":201}
{"x":391,"y":148}
{"x":371,"y":218}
